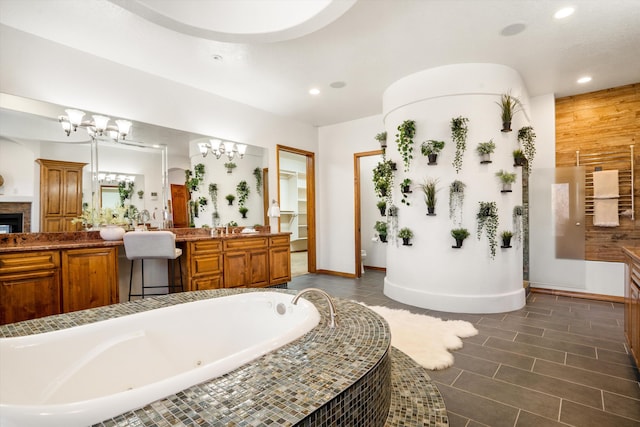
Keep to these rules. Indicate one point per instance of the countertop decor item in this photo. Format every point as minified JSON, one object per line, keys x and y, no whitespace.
{"x":112,"y":232}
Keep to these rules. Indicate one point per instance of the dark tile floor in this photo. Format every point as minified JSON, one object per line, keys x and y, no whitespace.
{"x":556,"y":362}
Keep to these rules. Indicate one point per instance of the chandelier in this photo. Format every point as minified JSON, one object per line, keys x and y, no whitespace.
{"x":218,"y":147}
{"x":99,"y":126}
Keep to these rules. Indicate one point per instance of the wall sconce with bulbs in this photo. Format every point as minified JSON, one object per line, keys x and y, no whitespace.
{"x":99,"y":126}
{"x":218,"y":147}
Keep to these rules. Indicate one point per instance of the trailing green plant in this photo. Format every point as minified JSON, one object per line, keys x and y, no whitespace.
{"x":431,"y":146}
{"x":199,"y":171}
{"x":456,"y":200}
{"x":202,"y":202}
{"x":405,"y":233}
{"x":429,"y":188}
{"x":486,"y":147}
{"x":459,"y":131}
{"x":527,"y":137}
{"x":195,"y":178}
{"x":487,"y":220}
{"x":257,"y":173}
{"x":509,"y":106}
{"x":404,"y":139}
{"x":506,"y":177}
{"x":392,"y":211}
{"x":125,"y":190}
{"x":383,"y":179}
{"x":213,"y":193}
{"x":405,"y":190}
{"x":242,"y":190}
{"x":518,"y":219}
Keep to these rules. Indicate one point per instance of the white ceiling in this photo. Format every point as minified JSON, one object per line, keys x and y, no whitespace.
{"x":367,"y":45}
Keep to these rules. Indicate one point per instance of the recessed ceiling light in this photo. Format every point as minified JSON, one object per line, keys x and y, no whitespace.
{"x":314,"y":91}
{"x":217,"y":57}
{"x":337,"y":85}
{"x":585,"y":79}
{"x":513,"y":29}
{"x":564,"y":12}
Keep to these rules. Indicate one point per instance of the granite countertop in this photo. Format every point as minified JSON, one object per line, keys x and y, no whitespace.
{"x":280,"y":388}
{"x":23,"y":242}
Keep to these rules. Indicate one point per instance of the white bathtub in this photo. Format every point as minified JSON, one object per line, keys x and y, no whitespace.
{"x":86,"y":374}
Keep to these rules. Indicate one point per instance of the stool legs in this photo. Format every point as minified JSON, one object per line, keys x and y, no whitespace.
{"x":171,"y":282}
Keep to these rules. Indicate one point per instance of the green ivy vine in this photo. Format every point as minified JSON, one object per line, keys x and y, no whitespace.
{"x":404,"y":139}
{"x":487,"y":219}
{"x":459,"y":132}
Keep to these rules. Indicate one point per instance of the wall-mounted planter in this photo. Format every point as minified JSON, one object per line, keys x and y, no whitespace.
{"x":406,"y":242}
{"x":383,"y":238}
{"x":506,"y":188}
{"x":433,"y":159}
{"x":485,"y":159}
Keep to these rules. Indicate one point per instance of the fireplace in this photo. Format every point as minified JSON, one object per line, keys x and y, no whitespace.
{"x":15,"y":217}
{"x":11,"y":222}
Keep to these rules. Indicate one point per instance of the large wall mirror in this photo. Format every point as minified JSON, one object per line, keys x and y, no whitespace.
{"x":155,"y":156}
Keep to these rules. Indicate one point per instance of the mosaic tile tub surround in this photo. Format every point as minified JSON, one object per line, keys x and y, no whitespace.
{"x":328,"y":377}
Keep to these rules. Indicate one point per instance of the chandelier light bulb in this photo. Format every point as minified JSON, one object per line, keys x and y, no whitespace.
{"x":101,"y":123}
{"x":75,"y":117}
{"x":123,"y":128}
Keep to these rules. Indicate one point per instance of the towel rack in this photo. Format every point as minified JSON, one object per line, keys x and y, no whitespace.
{"x":620,"y":160}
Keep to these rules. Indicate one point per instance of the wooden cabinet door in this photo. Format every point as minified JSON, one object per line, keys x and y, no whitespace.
{"x":634,"y":321}
{"x":60,"y":194}
{"x":89,"y":278}
{"x":259,"y":267}
{"x":179,"y":203}
{"x":236,"y":269}
{"x":29,"y":286}
{"x":279,"y":265}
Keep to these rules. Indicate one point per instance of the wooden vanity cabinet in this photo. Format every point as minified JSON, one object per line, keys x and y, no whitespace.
{"x":29,"y":285}
{"x":89,"y":278}
{"x":632,"y":304}
{"x":246,"y":262}
{"x":204,"y":269}
{"x":279,"y":260}
{"x":60,"y":194}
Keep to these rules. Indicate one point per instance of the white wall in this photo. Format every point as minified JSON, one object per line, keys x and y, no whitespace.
{"x":335,"y":194}
{"x":39,"y":69}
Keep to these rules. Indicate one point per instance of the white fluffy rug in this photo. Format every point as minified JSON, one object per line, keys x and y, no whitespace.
{"x":426,"y":339}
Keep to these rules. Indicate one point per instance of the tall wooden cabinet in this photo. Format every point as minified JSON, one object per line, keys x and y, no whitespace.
{"x":60,"y":194}
{"x":632,"y":303}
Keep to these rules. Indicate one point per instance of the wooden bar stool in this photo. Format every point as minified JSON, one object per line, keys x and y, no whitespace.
{"x":153,"y":245}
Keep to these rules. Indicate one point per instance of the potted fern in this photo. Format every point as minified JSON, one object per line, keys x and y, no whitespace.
{"x":382,"y":139}
{"x":485,"y":149}
{"x":509,"y":106}
{"x":405,"y":234}
{"x":459,"y":234}
{"x":243,"y":211}
{"x":431,"y":149}
{"x":382,"y":207}
{"x":429,"y":189}
{"x":230,"y":198}
{"x":381,"y":228}
{"x":518,"y":158}
{"x":230,"y":166}
{"x":506,"y":239}
{"x":459,"y":130}
{"x":404,"y":139}
{"x":506,"y":178}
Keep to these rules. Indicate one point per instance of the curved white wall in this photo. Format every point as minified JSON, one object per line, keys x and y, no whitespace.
{"x":431,"y":274}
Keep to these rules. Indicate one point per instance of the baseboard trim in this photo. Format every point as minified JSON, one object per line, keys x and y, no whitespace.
{"x":583,"y":295}
{"x":368,"y":267}
{"x":336,"y":273}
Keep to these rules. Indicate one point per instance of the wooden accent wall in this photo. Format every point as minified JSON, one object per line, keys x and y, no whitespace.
{"x":603,"y":121}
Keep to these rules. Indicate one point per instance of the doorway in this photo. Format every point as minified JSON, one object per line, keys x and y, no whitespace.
{"x":368,"y":252}
{"x":296,"y":198}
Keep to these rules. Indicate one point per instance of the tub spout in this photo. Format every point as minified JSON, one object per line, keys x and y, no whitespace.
{"x":332,"y":308}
